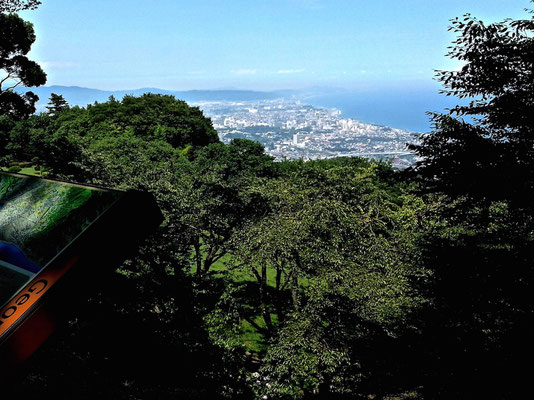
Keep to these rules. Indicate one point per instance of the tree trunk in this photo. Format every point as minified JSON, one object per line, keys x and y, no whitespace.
{"x":278,"y":293}
{"x":295,"y":280}
{"x":211,"y":257}
{"x":295,"y":289}
{"x":263,"y":299}
{"x":198,"y":256}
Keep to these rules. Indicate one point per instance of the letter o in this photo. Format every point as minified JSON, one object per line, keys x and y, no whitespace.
{"x":7,"y":315}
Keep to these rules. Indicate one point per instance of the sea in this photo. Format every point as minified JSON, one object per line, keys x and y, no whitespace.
{"x":403,"y":108}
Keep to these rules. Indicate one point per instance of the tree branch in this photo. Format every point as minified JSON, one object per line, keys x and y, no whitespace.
{"x":9,"y":76}
{"x":255,"y":325}
{"x":256,"y":274}
{"x":217,"y":257}
{"x":13,"y":87}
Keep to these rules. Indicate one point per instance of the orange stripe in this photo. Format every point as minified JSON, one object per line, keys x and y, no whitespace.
{"x":31,"y":293}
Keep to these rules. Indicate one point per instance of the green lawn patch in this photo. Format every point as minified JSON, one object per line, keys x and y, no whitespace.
{"x":26,"y":171}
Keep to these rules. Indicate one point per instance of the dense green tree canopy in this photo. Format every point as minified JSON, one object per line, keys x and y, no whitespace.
{"x":154,"y":115}
{"x":63,"y":142}
{"x":333,"y":257}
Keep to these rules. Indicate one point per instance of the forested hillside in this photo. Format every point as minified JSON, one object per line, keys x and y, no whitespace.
{"x":326,"y":279}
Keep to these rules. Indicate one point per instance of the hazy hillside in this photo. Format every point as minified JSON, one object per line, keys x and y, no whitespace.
{"x":81,"y":96}
{"x":400,"y":106}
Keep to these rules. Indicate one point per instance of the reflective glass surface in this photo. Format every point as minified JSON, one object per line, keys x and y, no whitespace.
{"x":38,"y":218}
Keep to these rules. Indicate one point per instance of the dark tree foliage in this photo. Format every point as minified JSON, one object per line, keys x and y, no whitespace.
{"x":480,"y":247}
{"x":12,"y":6}
{"x":491,"y":159}
{"x":16,"y":39}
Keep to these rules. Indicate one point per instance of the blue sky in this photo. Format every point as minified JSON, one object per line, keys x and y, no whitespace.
{"x":252,"y":44}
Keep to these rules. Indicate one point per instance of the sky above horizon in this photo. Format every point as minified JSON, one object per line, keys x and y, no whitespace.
{"x":252,"y":44}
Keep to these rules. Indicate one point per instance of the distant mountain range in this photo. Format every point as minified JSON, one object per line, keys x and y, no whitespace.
{"x":82,"y":96}
{"x":401,"y":106}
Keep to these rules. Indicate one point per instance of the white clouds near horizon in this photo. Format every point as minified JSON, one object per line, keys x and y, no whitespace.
{"x":244,"y":71}
{"x":290,"y":71}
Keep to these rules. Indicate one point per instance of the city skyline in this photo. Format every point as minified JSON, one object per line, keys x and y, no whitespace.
{"x":256,"y":45}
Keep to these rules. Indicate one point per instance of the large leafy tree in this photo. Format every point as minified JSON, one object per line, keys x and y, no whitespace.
{"x":333,"y":258}
{"x":11,"y":6}
{"x":216,"y":204}
{"x":16,"y":39}
{"x":491,"y":156}
{"x":480,"y":162}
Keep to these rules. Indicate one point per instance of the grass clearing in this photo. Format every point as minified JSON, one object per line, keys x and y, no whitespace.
{"x":253,"y":339}
{"x":25,"y":171}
